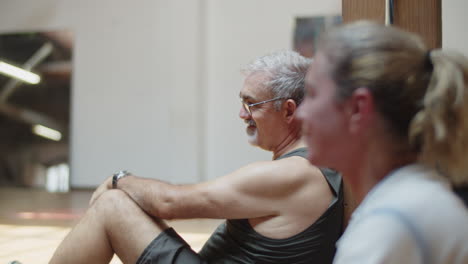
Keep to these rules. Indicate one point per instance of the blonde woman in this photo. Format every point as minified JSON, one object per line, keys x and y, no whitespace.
{"x":392,"y":116}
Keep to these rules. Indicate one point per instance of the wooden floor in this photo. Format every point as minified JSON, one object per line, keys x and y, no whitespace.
{"x":33,"y":222}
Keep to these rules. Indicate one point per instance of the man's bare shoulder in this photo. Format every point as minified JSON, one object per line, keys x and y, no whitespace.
{"x":287,"y":174}
{"x":300,"y":166}
{"x":295,"y":167}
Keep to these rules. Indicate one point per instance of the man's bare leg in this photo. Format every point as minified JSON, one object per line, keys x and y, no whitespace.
{"x":113,"y":224}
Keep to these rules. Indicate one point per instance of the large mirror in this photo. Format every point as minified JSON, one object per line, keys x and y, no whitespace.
{"x":35,"y":85}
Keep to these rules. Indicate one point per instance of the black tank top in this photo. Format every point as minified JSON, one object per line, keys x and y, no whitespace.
{"x":235,"y":241}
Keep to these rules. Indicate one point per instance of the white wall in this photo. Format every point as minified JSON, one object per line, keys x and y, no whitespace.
{"x":237,"y":32}
{"x":135,"y":89}
{"x":454,"y":22}
{"x":156,"y":82}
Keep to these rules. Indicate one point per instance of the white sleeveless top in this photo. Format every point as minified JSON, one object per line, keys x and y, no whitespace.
{"x":411,"y":216}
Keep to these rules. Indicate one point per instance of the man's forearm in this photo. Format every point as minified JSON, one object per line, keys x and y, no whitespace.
{"x":153,"y":196}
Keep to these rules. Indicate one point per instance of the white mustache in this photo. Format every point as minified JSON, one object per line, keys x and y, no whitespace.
{"x":250,"y":122}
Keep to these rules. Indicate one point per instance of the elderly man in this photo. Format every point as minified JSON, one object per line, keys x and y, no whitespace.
{"x":279,"y":211}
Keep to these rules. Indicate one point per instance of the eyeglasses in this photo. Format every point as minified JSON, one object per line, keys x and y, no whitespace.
{"x":248,"y":106}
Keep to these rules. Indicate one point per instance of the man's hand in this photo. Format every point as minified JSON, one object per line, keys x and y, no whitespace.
{"x":106,"y":185}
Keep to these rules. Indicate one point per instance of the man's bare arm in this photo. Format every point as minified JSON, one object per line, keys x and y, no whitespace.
{"x":256,"y":190}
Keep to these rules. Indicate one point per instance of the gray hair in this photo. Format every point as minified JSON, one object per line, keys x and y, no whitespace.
{"x":285,"y":71}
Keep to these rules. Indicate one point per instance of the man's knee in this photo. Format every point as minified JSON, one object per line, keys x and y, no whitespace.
{"x":114,"y":202}
{"x":117,"y":211}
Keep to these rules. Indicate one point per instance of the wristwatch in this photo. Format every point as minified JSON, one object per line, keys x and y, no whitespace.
{"x":117,"y":176}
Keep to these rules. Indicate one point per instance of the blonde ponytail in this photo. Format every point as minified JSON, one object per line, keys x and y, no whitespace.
{"x":440,"y":128}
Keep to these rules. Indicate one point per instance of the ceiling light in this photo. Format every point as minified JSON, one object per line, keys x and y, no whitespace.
{"x":19,"y":73}
{"x":47,"y":132}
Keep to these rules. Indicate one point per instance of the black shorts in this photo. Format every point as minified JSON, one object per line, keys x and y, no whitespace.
{"x":169,"y":247}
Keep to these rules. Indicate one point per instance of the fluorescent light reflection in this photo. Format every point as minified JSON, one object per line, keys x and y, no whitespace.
{"x":19,"y":73}
{"x":47,"y":132}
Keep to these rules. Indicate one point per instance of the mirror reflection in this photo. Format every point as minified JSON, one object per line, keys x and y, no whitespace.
{"x":35,"y":74}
